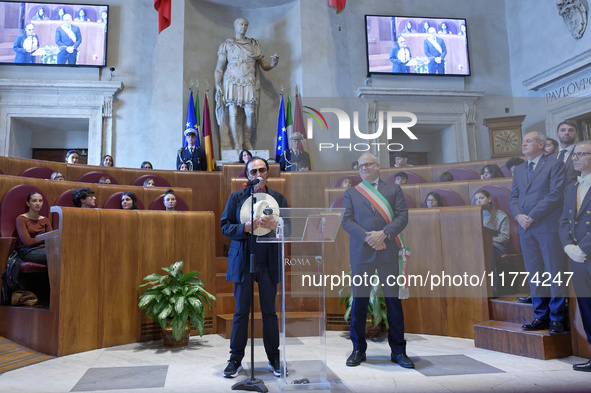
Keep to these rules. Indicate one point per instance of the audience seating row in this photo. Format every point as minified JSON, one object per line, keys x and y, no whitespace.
{"x":94,"y":274}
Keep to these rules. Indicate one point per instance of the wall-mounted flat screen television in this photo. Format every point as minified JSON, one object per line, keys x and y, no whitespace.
{"x":416,"y":46}
{"x":53,"y":34}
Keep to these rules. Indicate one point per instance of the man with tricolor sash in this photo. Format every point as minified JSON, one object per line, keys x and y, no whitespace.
{"x":375,"y":215}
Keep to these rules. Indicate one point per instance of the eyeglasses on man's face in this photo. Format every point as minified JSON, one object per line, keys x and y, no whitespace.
{"x":367,"y":165}
{"x":580,"y":154}
{"x":253,"y":172}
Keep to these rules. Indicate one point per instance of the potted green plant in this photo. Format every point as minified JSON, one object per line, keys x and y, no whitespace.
{"x":376,"y":308}
{"x":173,"y":300}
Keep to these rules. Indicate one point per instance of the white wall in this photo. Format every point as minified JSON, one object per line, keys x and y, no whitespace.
{"x":510,"y":40}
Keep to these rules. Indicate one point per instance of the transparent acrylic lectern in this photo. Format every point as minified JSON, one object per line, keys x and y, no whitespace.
{"x":302,"y":321}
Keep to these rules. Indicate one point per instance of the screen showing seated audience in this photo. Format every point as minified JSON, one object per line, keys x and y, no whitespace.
{"x":398,"y":45}
{"x":53,"y":34}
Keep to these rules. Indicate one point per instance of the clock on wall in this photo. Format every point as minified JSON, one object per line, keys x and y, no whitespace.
{"x":505,"y":135}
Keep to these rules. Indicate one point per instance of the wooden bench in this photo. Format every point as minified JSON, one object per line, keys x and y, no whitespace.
{"x":96,"y":260}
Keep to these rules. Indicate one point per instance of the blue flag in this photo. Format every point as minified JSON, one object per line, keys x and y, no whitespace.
{"x":191,"y":122}
{"x":281,"y":133}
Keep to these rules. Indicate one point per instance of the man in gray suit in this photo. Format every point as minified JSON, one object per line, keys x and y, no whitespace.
{"x":566,"y":132}
{"x":536,"y":205}
{"x":375,"y":214}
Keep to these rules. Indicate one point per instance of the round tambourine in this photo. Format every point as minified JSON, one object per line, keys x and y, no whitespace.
{"x":30,"y":44}
{"x":404,"y":55}
{"x":263,"y":201}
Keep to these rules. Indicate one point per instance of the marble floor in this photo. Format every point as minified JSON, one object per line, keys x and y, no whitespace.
{"x":443,"y":364}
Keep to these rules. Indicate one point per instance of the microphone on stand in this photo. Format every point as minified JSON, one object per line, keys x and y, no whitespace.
{"x":253,"y":182}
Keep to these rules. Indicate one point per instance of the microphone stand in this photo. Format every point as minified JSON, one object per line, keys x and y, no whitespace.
{"x":251,"y":384}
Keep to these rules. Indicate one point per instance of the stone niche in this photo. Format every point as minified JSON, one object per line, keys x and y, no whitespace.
{"x":453,"y":109}
{"x":55,"y":99}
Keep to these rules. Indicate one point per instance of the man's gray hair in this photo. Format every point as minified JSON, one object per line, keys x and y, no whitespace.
{"x":540,"y":138}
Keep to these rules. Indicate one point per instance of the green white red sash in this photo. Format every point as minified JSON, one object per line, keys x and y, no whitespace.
{"x":383,"y":207}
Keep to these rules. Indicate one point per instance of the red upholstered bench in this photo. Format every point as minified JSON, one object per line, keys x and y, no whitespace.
{"x":38,"y":172}
{"x":158,"y":204}
{"x":95,"y":176}
{"x":114,"y":202}
{"x":158,"y":181}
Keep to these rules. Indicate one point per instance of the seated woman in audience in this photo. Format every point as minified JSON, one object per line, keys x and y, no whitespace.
{"x":491,"y":171}
{"x":446,"y":176}
{"x":57,"y":175}
{"x":244,"y":156}
{"x":169,"y":200}
{"x":128,"y":201}
{"x":149,"y":183}
{"x":433,"y":199}
{"x":82,"y":16}
{"x":146,"y":165}
{"x":498,"y":222}
{"x":104,"y":180}
{"x":29,"y":225}
{"x":183,"y":166}
{"x":60,"y":14}
{"x":107,"y":161}
{"x":346,"y":183}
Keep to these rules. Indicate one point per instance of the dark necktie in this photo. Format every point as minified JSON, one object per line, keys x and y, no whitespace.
{"x":530,"y":171}
{"x":561,"y":155}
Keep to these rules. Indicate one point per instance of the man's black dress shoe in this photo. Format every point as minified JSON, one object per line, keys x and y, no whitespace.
{"x":356,"y":358}
{"x":536,"y":324}
{"x":583,"y":366}
{"x":524,"y":299}
{"x":402,"y":360}
{"x":556,"y":327}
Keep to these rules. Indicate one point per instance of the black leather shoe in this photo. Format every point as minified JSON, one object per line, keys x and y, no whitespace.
{"x":524,"y":299}
{"x":402,"y":360}
{"x":557,"y":327}
{"x":583,"y":366}
{"x":356,"y":358}
{"x":536,"y":324}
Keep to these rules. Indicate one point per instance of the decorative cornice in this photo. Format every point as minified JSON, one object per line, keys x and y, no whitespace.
{"x":558,"y":71}
{"x":70,"y":87}
{"x":394,"y":92}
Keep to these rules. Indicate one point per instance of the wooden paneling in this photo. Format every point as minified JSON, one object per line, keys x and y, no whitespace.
{"x":306,"y":189}
{"x":200,"y":255}
{"x":120,"y":246}
{"x":74,"y":171}
{"x":207,"y":189}
{"x":17,"y":165}
{"x":79,"y":280}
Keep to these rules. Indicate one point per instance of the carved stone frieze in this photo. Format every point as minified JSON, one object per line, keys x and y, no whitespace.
{"x":574,"y":14}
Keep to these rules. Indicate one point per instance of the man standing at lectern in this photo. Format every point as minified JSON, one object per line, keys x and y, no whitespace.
{"x":267,"y":272}
{"x":375,"y":214}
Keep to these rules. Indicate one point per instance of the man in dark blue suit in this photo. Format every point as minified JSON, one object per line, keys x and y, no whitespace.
{"x":436,"y":51}
{"x":267,"y":273}
{"x":375,"y":214}
{"x":575,"y":235}
{"x":193,"y":156}
{"x":68,"y":39}
{"x":536,"y":205}
{"x":566,"y":132}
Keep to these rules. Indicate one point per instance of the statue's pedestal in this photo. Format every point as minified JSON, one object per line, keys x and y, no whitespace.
{"x":231,"y":156}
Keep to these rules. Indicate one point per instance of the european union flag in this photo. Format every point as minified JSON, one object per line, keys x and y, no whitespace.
{"x":281,"y":133}
{"x":191,"y":122}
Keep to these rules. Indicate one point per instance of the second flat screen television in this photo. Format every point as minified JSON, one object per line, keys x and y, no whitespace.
{"x":416,"y":45}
